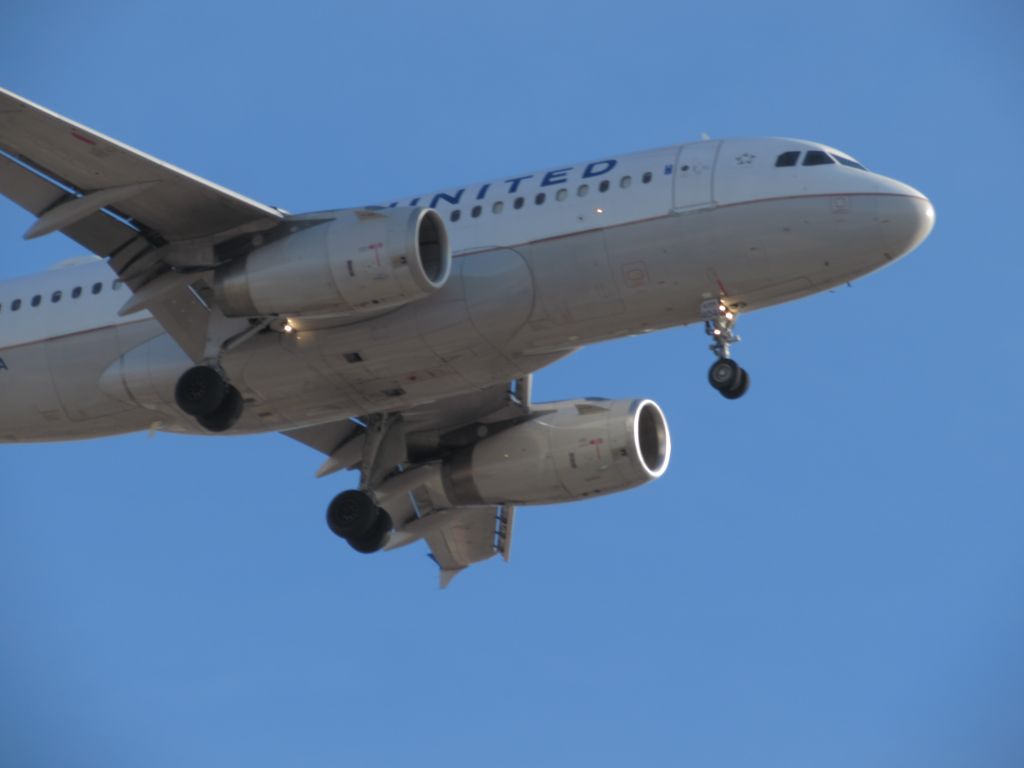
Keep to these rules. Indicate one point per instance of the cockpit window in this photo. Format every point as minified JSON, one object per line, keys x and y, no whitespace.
{"x":817,"y":157}
{"x":787,"y":159}
{"x":849,"y":161}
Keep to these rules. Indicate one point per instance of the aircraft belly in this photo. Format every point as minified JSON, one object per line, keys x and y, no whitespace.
{"x":431,"y":349}
{"x":660,"y":266}
{"x":651,"y":275}
{"x":76,"y":365}
{"x":29,"y":405}
{"x":284,"y":377}
{"x":573,"y":279}
{"x":499,"y":294}
{"x":57,"y":388}
{"x":771,"y":251}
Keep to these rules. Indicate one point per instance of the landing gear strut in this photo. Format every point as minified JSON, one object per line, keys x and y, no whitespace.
{"x":203,"y":392}
{"x":355,"y":517}
{"x":725,"y":375}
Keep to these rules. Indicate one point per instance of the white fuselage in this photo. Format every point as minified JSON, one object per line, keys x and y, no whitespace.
{"x":543,"y":264}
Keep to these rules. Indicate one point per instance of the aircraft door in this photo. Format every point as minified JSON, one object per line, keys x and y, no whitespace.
{"x":694,"y":175}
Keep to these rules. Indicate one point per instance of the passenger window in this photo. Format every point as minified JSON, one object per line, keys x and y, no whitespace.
{"x":76,"y":292}
{"x":116,"y":285}
{"x":561,"y":194}
{"x":498,"y":207}
{"x":603,"y":186}
{"x":787,"y":159}
{"x":476,"y":211}
{"x":454,"y":215}
{"x":15,"y":305}
{"x":647,"y":177}
{"x":56,"y":296}
{"x":37,"y":300}
{"x":582,"y":191}
{"x":625,"y":181}
{"x":540,"y":198}
{"x":817,"y":157}
{"x":518,"y":203}
{"x":96,"y":288}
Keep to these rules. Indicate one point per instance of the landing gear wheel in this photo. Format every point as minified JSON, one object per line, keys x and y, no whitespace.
{"x":200,"y":391}
{"x":351,"y":514}
{"x":724,"y":375}
{"x":740,"y":389}
{"x":719,"y":316}
{"x":226,"y":414}
{"x":374,"y":538}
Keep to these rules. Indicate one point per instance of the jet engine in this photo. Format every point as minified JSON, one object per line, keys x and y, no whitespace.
{"x":570,"y":450}
{"x":360,"y":261}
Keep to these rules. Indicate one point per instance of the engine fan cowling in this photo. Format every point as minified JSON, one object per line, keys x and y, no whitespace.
{"x":573,"y":450}
{"x":360,"y":261}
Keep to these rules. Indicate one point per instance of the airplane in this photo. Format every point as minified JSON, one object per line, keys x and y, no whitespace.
{"x":400,"y":339}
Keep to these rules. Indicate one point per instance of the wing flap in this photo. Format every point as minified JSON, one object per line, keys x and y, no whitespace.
{"x":96,"y":231}
{"x":101,"y":234}
{"x":467,"y":538}
{"x":468,"y":535}
{"x":29,"y":190}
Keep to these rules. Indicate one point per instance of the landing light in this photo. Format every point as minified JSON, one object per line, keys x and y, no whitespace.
{"x":288,"y":328}
{"x":599,"y":210}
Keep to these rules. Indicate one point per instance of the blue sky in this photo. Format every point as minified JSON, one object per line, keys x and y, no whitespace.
{"x":832,"y":570}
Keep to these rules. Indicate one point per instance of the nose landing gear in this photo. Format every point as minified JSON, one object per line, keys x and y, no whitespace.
{"x":725,"y":375}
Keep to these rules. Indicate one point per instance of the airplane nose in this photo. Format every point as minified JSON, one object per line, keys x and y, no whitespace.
{"x":907,"y":218}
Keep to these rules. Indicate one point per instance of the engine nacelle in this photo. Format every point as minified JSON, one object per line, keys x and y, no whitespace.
{"x":572,"y":450}
{"x":360,"y":261}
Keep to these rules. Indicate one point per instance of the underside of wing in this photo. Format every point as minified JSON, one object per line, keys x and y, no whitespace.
{"x":410,"y":490}
{"x":152,"y":221}
{"x":80,"y":163}
{"x":470,"y":535}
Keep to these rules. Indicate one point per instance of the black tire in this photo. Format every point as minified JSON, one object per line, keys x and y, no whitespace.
{"x":227,"y":413}
{"x":374,"y":538}
{"x":351,"y":514}
{"x":724,"y":374}
{"x":740,"y":389}
{"x":200,"y":391}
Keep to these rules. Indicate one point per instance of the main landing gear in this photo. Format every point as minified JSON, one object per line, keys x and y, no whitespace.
{"x":204,"y":393}
{"x":355,"y":517}
{"x":725,"y":375}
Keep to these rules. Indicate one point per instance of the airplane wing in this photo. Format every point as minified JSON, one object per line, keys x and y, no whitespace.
{"x":457,"y":536}
{"x":461,"y":536}
{"x":155,"y":223}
